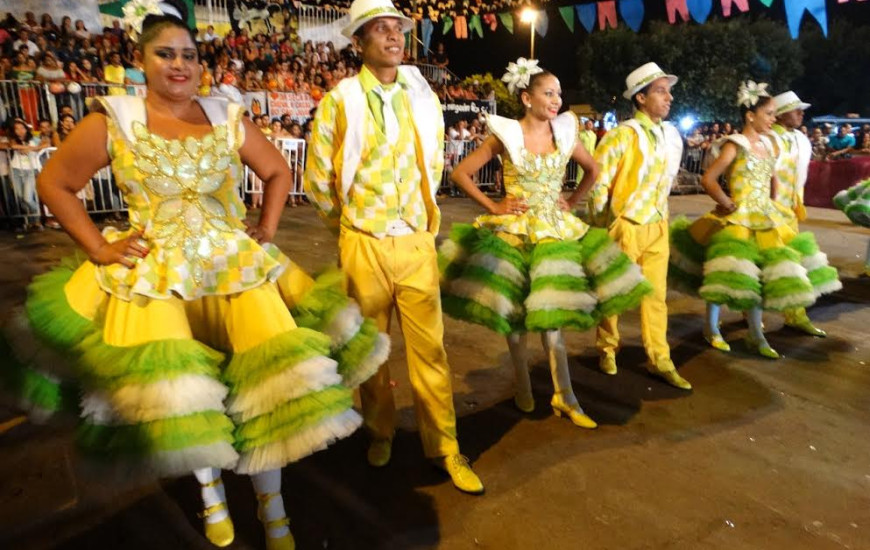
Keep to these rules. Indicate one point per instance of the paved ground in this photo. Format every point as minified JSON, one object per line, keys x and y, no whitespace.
{"x":761,"y":455}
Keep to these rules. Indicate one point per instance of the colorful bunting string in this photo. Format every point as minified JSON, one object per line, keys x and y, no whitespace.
{"x":607,"y":14}
{"x":742,"y":5}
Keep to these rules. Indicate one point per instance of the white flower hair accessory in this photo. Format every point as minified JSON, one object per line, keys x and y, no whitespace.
{"x":135,"y":12}
{"x":749,"y":93}
{"x":518,"y":74}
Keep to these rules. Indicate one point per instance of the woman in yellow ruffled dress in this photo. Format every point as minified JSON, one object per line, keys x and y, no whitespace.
{"x":746,"y":254}
{"x":531,"y":265}
{"x":180,"y":329}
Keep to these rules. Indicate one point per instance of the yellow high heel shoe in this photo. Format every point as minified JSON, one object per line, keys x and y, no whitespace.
{"x":285,"y":542}
{"x":716,"y":341}
{"x":220,"y":533}
{"x":573,"y":412}
{"x":763,"y":348}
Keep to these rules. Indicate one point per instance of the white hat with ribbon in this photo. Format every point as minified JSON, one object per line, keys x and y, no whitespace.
{"x":641,"y":77}
{"x":363,"y":11}
{"x":789,"y":101}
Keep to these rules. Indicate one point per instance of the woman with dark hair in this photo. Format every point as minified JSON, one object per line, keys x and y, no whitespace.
{"x":179,"y":327}
{"x":745,"y":254}
{"x":530,"y":264}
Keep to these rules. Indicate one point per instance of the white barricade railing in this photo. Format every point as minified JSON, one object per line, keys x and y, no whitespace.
{"x":434,"y":73}
{"x":293,"y":151}
{"x":28,"y":100}
{"x":455,"y":150}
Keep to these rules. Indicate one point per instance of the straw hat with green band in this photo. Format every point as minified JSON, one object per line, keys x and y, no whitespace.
{"x":642,"y":77}
{"x":363,"y":11}
{"x":788,"y":101}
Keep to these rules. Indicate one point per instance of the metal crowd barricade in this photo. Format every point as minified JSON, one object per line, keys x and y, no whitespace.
{"x":293,"y":151}
{"x":211,"y":11}
{"x":455,"y":150}
{"x":28,"y":100}
{"x":99,"y":196}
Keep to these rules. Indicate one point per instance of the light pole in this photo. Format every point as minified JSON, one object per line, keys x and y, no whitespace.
{"x":528,"y":15}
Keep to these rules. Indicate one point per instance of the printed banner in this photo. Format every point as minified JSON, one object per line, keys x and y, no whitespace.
{"x":465,"y":109}
{"x":794,"y":12}
{"x":298,"y":106}
{"x":255,"y":103}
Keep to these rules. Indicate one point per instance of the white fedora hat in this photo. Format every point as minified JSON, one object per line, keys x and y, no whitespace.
{"x":641,"y":77}
{"x":789,"y":101}
{"x":363,"y":11}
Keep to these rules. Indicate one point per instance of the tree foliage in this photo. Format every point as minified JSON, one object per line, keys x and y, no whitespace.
{"x":507,"y":104}
{"x":711,"y":60}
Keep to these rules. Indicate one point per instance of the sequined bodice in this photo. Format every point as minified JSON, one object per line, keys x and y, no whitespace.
{"x":189,"y":186}
{"x":538,"y":181}
{"x":750,"y":180}
{"x":182,"y":194}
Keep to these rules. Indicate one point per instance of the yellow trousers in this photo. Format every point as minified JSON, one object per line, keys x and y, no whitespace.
{"x":402,"y":272}
{"x":648,"y":246}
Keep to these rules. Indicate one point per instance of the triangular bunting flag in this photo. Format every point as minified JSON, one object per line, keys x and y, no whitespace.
{"x":632,"y":13}
{"x":607,"y":14}
{"x":700,"y":9}
{"x":794,"y":11}
{"x":542,"y":23}
{"x":674,"y":7}
{"x":507,"y":21}
{"x":742,"y":5}
{"x":586,"y":15}
{"x":474,"y":25}
{"x":767,"y":3}
{"x":567,"y":13}
{"x":448,"y":24}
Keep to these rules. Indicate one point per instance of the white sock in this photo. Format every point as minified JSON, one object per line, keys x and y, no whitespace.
{"x":554,"y":345}
{"x":212,"y":495}
{"x":266,"y":483}
{"x":519,"y":356}
{"x":713,"y":319}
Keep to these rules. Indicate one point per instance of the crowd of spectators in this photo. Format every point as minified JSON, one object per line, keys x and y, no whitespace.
{"x":828,"y":142}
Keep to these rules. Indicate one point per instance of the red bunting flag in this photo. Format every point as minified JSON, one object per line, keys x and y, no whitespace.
{"x":674,"y":7}
{"x":742,"y":5}
{"x":607,"y":14}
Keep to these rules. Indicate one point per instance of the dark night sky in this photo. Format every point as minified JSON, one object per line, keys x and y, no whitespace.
{"x":556,"y":50}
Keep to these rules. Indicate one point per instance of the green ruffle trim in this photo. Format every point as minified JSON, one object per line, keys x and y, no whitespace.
{"x":167,"y":434}
{"x":473,"y":312}
{"x":788,"y":286}
{"x":107,"y":367}
{"x":559,"y":282}
{"x":734,"y":280}
{"x":33,"y":390}
{"x":487,"y":278}
{"x":773,"y":256}
{"x":558,"y":250}
{"x":735,"y":304}
{"x":682,"y":240}
{"x":471,"y":240}
{"x":52,"y":319}
{"x":722,"y":244}
{"x":624,"y":302}
{"x":593,"y":242}
{"x":322,"y":302}
{"x":805,"y":244}
{"x":292,"y":417}
{"x":614,"y":270}
{"x":823,"y":276}
{"x":553,"y":319}
{"x":351,"y":356}
{"x":249,"y":368}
